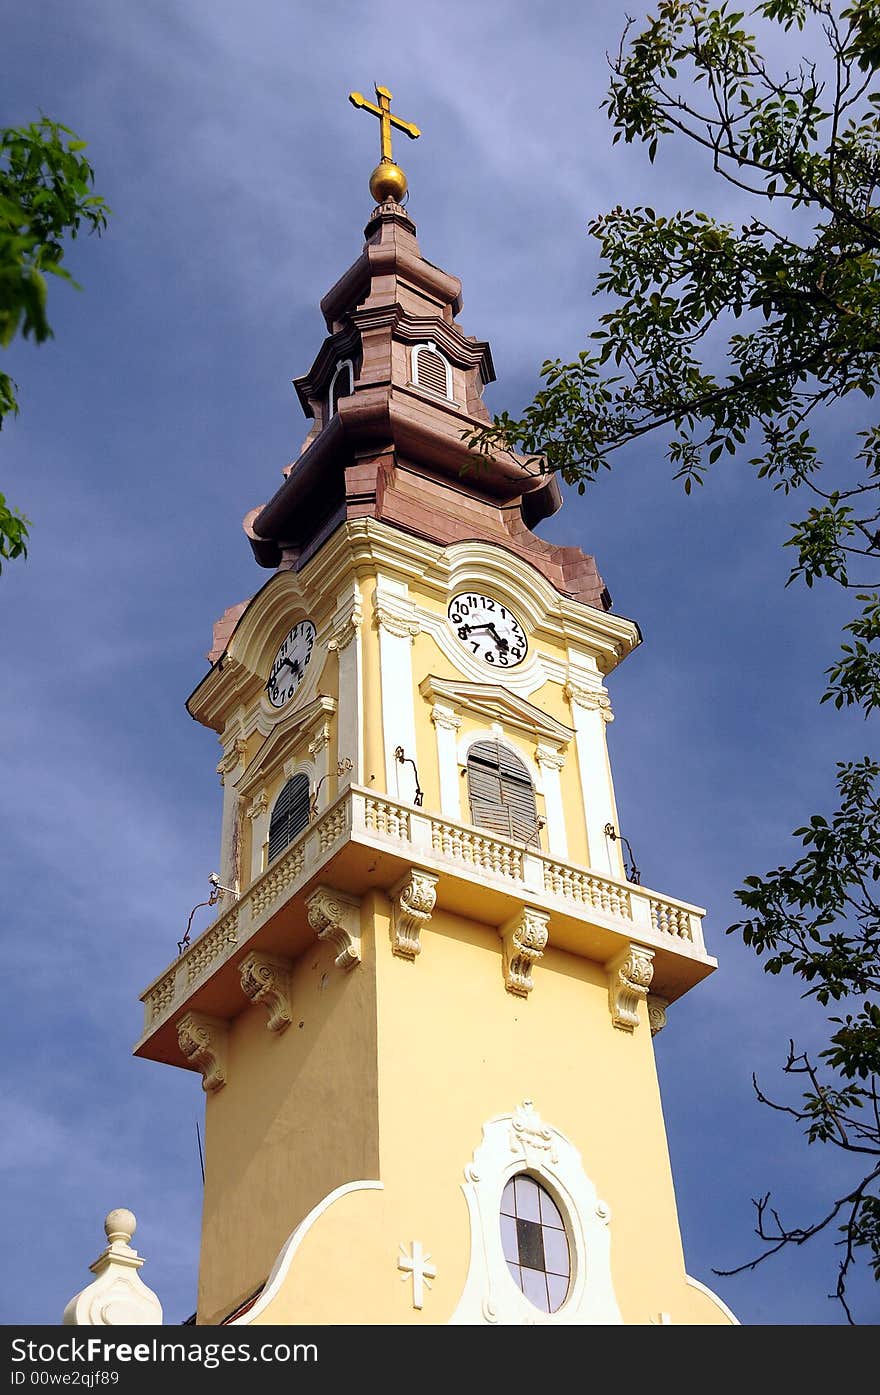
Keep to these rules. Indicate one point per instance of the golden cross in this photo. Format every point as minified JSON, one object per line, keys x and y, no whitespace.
{"x":386,"y":118}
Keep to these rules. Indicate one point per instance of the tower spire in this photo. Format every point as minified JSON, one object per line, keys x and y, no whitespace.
{"x":388,"y":180}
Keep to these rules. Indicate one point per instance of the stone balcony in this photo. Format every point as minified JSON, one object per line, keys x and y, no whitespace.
{"x":365,"y":841}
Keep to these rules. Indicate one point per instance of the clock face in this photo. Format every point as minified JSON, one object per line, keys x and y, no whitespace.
{"x":290,"y":663}
{"x":488,"y":629}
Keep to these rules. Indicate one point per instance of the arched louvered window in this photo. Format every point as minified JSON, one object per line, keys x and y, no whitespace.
{"x":289,"y":816}
{"x":341,"y":385}
{"x":500,"y":790}
{"x":431,"y":370}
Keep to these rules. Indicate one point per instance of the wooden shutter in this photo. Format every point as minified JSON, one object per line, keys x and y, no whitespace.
{"x":501,"y":795}
{"x":431,"y":371}
{"x":289,"y":816}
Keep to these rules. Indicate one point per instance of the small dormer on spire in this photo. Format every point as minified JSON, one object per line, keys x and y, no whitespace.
{"x":388,"y":180}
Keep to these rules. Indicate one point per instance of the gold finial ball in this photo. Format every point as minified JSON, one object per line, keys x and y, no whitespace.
{"x":387,"y":181}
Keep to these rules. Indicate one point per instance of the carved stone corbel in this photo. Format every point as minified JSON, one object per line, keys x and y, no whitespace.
{"x":592,"y":699}
{"x":629,"y":978}
{"x":396,"y":615}
{"x":202,"y":1039}
{"x":656,"y":1013}
{"x":524,"y":937}
{"x":346,"y":626}
{"x":413,"y":900}
{"x":337,"y":917}
{"x":265,"y":978}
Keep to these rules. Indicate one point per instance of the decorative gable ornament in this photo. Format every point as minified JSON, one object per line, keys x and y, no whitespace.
{"x":118,"y":1297}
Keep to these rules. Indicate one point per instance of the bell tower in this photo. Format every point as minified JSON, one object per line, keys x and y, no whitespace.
{"x":423,"y":1016}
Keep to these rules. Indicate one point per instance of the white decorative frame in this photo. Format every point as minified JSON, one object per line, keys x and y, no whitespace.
{"x":522,"y":1142}
{"x":429,"y":347}
{"x":341,"y":365}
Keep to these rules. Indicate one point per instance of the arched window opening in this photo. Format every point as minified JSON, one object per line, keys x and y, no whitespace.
{"x":535,"y":1243}
{"x":341,"y":385}
{"x":290,"y":815}
{"x":431,"y":370}
{"x":501,"y":793}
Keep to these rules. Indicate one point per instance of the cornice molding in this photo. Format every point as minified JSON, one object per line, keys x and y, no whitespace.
{"x":287,"y":740}
{"x":496,"y":704}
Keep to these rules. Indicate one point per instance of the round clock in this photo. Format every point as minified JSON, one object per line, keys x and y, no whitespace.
{"x":290,"y":663}
{"x":488,"y":629}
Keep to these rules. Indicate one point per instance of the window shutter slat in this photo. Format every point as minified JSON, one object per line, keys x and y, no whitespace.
{"x":501,"y":794}
{"x":290,"y":815}
{"x":431,"y":371}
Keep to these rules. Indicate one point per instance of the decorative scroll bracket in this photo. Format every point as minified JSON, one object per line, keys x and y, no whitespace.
{"x":337,"y":917}
{"x":413,"y":899}
{"x":524,"y":937}
{"x":203,"y":1040}
{"x":657,"y":1012}
{"x":265,"y":978}
{"x":629,"y":978}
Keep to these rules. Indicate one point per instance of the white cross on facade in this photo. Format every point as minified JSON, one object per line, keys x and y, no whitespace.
{"x":421,"y":1268}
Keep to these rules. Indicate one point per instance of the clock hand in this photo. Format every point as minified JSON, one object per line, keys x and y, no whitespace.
{"x":292,"y":664}
{"x":500,"y":640}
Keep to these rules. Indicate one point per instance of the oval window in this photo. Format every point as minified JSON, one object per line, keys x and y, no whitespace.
{"x":535,"y":1243}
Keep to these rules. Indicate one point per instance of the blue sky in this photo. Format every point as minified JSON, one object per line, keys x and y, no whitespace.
{"x":163,"y":411}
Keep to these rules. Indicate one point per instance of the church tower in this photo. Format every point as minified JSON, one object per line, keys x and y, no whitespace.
{"x":423,"y":1017}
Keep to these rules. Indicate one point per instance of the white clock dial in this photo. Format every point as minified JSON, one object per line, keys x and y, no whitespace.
{"x":290,"y":663}
{"x":488,"y":629}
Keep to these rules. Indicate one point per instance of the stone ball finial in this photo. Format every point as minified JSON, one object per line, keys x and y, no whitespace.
{"x":120,"y":1225}
{"x":387,"y":181}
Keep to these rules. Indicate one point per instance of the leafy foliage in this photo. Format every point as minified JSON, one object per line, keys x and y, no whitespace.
{"x":791,"y":311}
{"x":45,"y":196}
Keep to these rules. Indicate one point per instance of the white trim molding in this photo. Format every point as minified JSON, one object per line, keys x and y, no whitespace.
{"x":713,"y":1298}
{"x":446,"y":724}
{"x":280,"y":1268}
{"x":398,"y":626}
{"x":523,"y":1142}
{"x":428,"y":346}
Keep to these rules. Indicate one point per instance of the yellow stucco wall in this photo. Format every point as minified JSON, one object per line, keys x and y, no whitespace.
{"x":454,"y":1050}
{"x":297,"y":1117}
